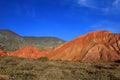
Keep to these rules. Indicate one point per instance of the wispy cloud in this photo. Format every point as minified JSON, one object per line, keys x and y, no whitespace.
{"x":87,"y":3}
{"x":106,"y":6}
{"x":116,"y":2}
{"x":116,"y":5}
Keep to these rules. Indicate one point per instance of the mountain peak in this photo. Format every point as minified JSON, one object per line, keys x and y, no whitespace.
{"x":96,"y":33}
{"x":7,"y":32}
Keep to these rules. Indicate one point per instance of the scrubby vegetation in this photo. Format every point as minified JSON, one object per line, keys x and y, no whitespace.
{"x":43,"y":59}
{"x":13,"y":68}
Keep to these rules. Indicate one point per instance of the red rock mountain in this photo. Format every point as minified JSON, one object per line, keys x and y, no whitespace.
{"x":29,"y":52}
{"x":3,"y":53}
{"x":94,"y":46}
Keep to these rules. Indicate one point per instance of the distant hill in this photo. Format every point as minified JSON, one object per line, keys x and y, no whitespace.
{"x":10,"y":41}
{"x":43,"y":42}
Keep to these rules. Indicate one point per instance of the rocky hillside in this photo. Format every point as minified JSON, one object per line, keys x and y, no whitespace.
{"x":94,"y":46}
{"x":10,"y":41}
{"x":43,"y":42}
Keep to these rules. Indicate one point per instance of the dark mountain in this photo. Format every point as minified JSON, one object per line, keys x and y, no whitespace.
{"x":43,"y":42}
{"x":10,"y":41}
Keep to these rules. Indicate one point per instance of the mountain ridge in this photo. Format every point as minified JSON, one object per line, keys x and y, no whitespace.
{"x":91,"y":47}
{"x":11,"y":41}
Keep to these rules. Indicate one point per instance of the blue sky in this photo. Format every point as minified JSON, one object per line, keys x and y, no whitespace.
{"x":64,"y":19}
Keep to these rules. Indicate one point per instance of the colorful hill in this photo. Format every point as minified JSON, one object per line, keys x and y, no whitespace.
{"x":91,"y":47}
{"x":29,"y":52}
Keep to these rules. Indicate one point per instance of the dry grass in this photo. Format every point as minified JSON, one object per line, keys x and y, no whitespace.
{"x":42,"y":69}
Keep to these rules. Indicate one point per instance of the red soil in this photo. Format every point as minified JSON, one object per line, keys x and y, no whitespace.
{"x":3,"y":53}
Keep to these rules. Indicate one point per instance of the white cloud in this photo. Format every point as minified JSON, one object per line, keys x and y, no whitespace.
{"x":116,"y":5}
{"x":114,"y":8}
{"x":87,"y":3}
{"x":107,"y":7}
{"x":116,"y":2}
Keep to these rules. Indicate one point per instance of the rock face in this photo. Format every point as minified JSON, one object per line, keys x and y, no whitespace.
{"x":91,"y":47}
{"x":3,"y":53}
{"x":29,"y":52}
